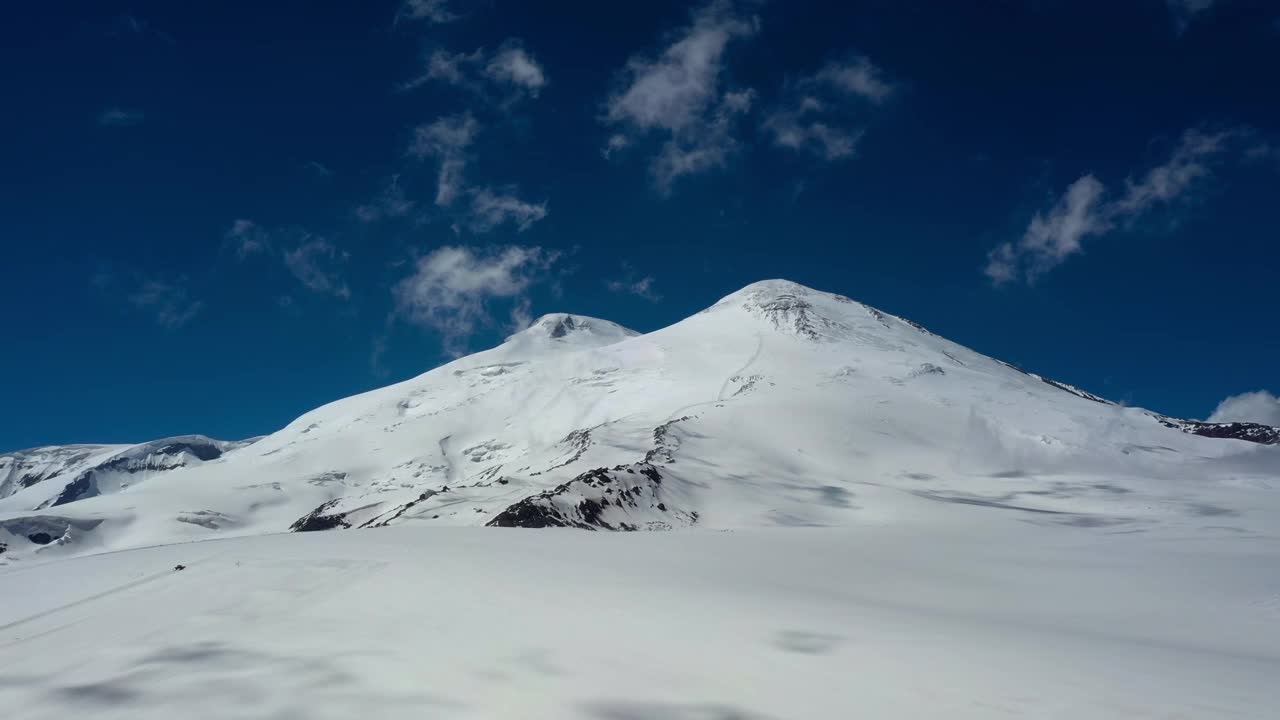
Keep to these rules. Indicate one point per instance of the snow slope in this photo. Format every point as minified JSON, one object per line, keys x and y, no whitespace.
{"x":939,"y":616}
{"x":778,"y":406}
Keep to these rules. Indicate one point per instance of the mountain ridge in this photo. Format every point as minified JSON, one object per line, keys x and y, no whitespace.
{"x":777,"y":405}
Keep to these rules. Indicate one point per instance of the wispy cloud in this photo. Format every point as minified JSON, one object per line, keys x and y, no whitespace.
{"x":677,"y":94}
{"x":819,"y":113}
{"x":168,"y":301}
{"x":490,"y":209}
{"x":1191,"y":161}
{"x":390,"y":203}
{"x":447,"y":140}
{"x":1258,"y":407}
{"x":319,"y":169}
{"x":1184,"y":11}
{"x":247,"y":238}
{"x":131,"y":25}
{"x":1053,"y":236}
{"x":317,"y":264}
{"x":120,"y":117}
{"x":452,"y":288}
{"x":428,"y":11}
{"x":514,"y":66}
{"x":166,"y":298}
{"x":856,"y":76}
{"x":632,"y":284}
{"x":313,"y":261}
{"x":1084,"y":211}
{"x":509,"y":74}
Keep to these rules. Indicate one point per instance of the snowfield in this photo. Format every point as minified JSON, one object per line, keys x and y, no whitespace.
{"x":859,"y":519}
{"x":928,"y":618}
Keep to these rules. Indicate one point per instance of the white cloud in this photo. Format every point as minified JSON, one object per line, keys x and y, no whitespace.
{"x":1052,"y":237}
{"x":168,"y":301}
{"x":629,"y":284}
{"x":489,"y":209}
{"x":447,"y":140}
{"x":1257,"y":407}
{"x":616,"y":143}
{"x":711,"y":149}
{"x":506,"y":76}
{"x":119,"y":117}
{"x":818,"y":115}
{"x":430,"y":11}
{"x":444,"y":66}
{"x":390,"y":203}
{"x":1165,"y":183}
{"x":856,"y":76}
{"x":1083,"y":210}
{"x":793,"y":130}
{"x":677,"y":93}
{"x":451,"y":288}
{"x":316,"y":264}
{"x":514,"y":66}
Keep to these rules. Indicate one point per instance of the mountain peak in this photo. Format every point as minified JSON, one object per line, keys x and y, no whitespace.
{"x":576,"y":329}
{"x":769,"y":288}
{"x":793,"y":308}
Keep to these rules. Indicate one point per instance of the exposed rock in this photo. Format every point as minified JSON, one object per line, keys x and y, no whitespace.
{"x":320,"y":519}
{"x":1251,"y":432}
{"x":625,"y":497}
{"x":664,"y":444}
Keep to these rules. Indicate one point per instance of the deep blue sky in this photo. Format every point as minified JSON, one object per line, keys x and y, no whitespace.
{"x":133,"y":136}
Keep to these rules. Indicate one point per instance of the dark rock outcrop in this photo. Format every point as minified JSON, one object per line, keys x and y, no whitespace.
{"x":321,"y":519}
{"x":1250,"y":432}
{"x":625,"y":497}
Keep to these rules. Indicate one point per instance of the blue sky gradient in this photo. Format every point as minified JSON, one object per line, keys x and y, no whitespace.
{"x":217,"y":215}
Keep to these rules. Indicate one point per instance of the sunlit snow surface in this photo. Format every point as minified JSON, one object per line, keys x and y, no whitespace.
{"x":864,"y":520}
{"x":931,"y":617}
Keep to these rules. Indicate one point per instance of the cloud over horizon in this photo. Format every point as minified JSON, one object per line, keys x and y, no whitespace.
{"x":1259,"y":406}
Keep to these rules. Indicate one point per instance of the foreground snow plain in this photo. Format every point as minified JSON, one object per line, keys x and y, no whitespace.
{"x":952,"y":615}
{"x":862,"y":520}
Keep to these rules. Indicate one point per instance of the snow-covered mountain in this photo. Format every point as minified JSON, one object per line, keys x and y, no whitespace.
{"x":912,"y":530}
{"x":777,"y":406}
{"x":67,"y":473}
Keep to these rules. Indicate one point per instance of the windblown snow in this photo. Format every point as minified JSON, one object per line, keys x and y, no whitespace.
{"x":914,"y":529}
